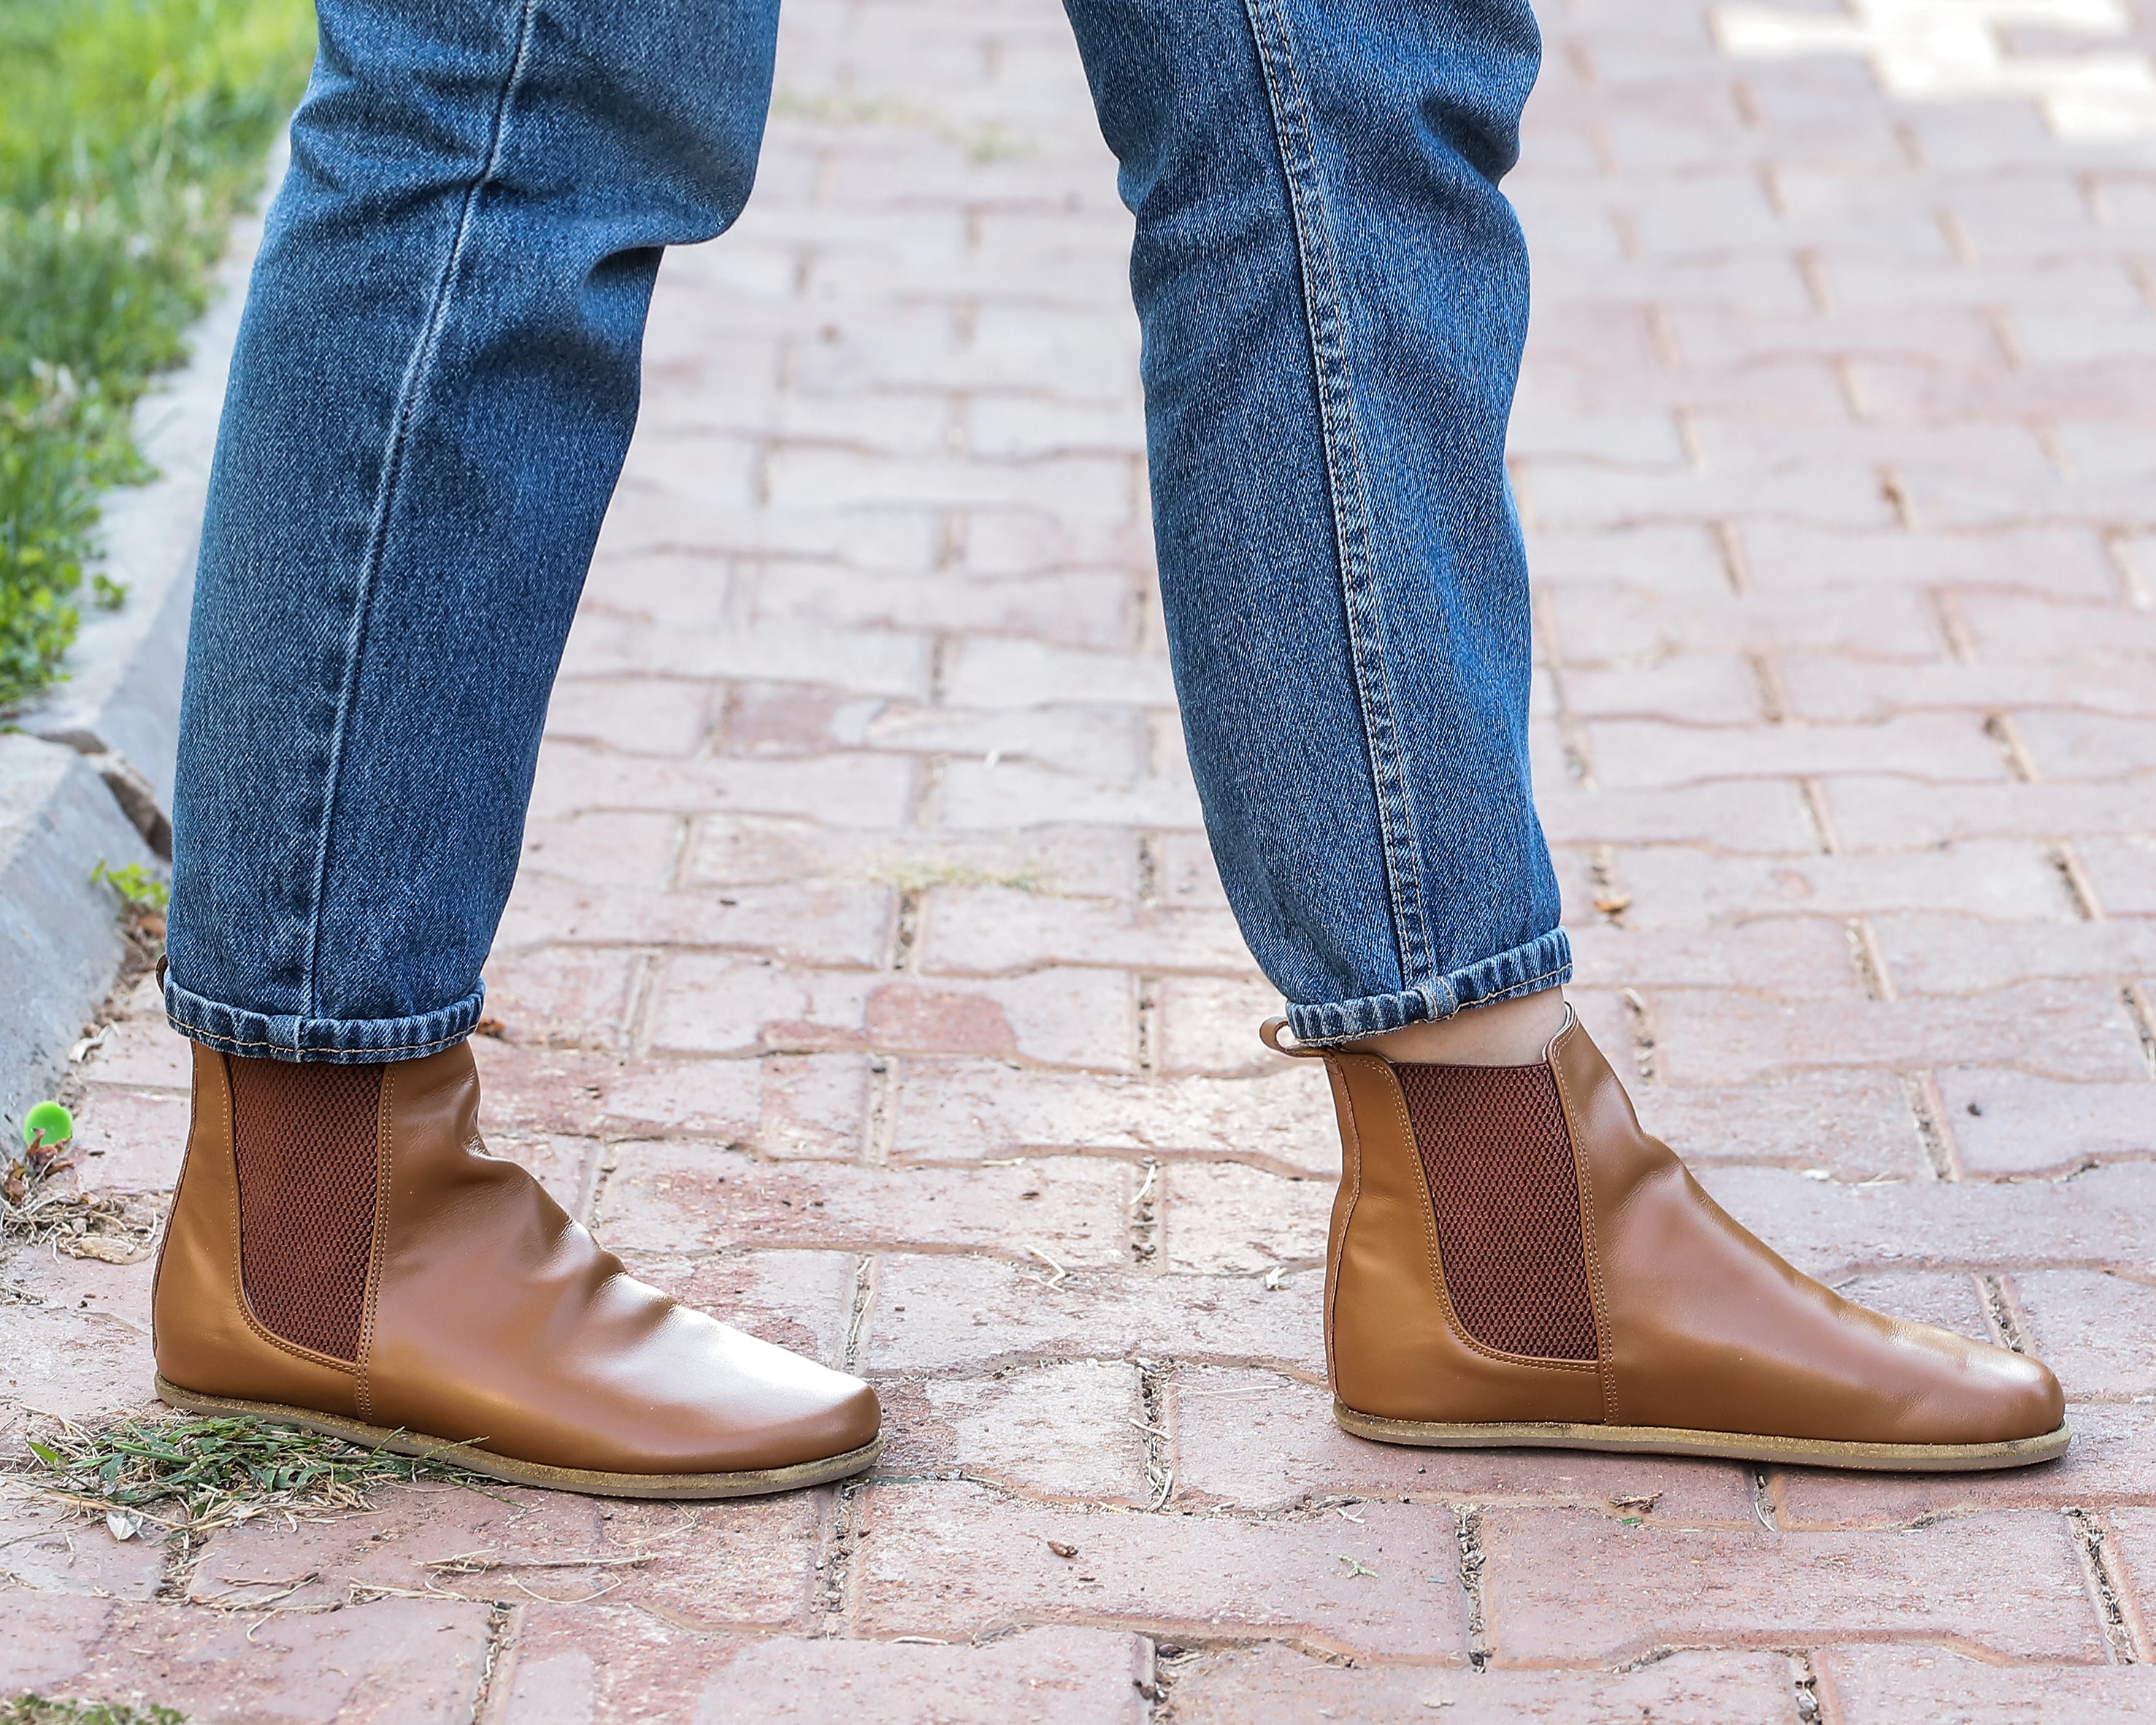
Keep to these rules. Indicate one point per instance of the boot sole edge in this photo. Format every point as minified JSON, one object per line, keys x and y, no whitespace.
{"x":751,"y":1482}
{"x":1728,"y":1446}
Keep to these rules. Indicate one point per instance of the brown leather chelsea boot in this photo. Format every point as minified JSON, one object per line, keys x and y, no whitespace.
{"x":1514,"y":1262}
{"x":343,"y":1254}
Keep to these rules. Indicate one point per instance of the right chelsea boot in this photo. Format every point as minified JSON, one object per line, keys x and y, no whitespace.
{"x":344,"y":1254}
{"x":1513,"y":1262}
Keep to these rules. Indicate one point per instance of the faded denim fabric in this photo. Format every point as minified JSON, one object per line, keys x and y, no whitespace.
{"x":436,"y":379}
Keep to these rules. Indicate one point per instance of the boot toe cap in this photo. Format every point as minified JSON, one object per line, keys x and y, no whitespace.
{"x":2015,"y":1397}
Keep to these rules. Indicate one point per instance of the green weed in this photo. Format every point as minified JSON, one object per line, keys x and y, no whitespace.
{"x":36,"y":1710}
{"x":141,"y":890}
{"x":129,"y":132}
{"x":194,"y":1475}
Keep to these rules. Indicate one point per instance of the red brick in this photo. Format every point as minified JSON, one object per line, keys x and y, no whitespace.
{"x":1676,"y":886}
{"x":1209,"y":1025}
{"x":1858,"y":691}
{"x":606,"y":1666}
{"x":1017,"y":794}
{"x":1787,"y":957}
{"x":142,"y":1052}
{"x":804,"y":1300}
{"x":1717,"y":337}
{"x":991,"y":930}
{"x":604,"y":850}
{"x":1576,"y":1586}
{"x":729,"y":852}
{"x":1853,"y":1124}
{"x":1695,"y":688}
{"x":1236,"y":1686}
{"x":2087,"y":745}
{"x":1935,"y":746}
{"x":856,"y":788}
{"x":637,"y":715}
{"x":1885,"y":1685}
{"x":1089,"y":609}
{"x":1063,"y":1017}
{"x":953,"y":1110}
{"x":1827,"y":1228}
{"x":130,"y":1140}
{"x":2069,"y":561}
{"x":1651,"y":621}
{"x":2109,"y":1462}
{"x":1225,"y":1218}
{"x":393,"y":1662}
{"x":2014,"y":628}
{"x":2097,"y":1329}
{"x":1648,"y":559}
{"x":782,"y":1105}
{"x":748,"y":1563}
{"x":1068,"y":1430}
{"x":564,"y":995}
{"x":1958,"y":955}
{"x":1579,"y":494}
{"x":681,"y":1197}
{"x":1882,"y":813}
{"x":2055,"y":1029}
{"x":1733,"y":814}
{"x":2131,"y":1535}
{"x":810,"y":924}
{"x":1260,"y":1440}
{"x":52,"y":1549}
{"x":952,"y":1560}
{"x":943,"y":1314}
{"x":74,"y":1361}
{"x":2006,"y":1123}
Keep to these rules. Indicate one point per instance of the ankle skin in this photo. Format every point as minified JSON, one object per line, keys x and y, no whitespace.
{"x":1507,"y":1032}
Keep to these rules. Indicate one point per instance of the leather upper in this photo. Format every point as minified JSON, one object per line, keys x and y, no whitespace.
{"x":1699,"y":1326}
{"x":491,"y":1316}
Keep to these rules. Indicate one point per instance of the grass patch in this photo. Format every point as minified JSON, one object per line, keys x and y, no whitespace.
{"x":36,"y":1710}
{"x":131,"y":132}
{"x":195,"y":1475}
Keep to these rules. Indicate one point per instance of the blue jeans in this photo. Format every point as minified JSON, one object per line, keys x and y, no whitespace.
{"x":438,"y":376}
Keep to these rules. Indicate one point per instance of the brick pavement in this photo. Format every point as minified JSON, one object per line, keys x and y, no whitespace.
{"x":868,"y":979}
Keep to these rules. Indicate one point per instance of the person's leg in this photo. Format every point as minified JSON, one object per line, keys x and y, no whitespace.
{"x":434,"y":388}
{"x":433,"y":391}
{"x":1334,"y":297}
{"x":1334,"y":294}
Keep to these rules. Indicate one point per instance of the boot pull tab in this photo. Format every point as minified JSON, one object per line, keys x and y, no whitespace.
{"x":1269,"y":1033}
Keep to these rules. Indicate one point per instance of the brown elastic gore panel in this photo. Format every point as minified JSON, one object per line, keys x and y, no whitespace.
{"x":303,"y":1137}
{"x":1498,"y":1156}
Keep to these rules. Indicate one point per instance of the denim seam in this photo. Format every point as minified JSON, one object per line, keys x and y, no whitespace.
{"x":1428,"y":993}
{"x":218,"y":1038}
{"x":410,"y":390}
{"x":1348,"y":483}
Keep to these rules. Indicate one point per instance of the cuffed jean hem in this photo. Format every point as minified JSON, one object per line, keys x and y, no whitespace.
{"x":334,"y":1041}
{"x":1543,"y":963}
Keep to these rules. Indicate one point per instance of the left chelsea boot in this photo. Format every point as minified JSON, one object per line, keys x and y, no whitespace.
{"x":343,"y":1254}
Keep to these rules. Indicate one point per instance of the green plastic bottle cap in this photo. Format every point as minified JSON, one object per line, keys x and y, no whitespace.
{"x":48,"y":1122}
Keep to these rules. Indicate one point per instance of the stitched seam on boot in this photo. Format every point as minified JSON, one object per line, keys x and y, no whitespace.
{"x":1598,"y":1293}
{"x":363,"y":1389}
{"x":1351,"y":1149}
{"x":1436,"y":1257}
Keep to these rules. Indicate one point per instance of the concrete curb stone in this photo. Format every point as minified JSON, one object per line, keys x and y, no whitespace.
{"x":86,"y":770}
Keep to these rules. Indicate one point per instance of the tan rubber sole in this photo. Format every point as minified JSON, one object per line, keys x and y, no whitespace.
{"x":1729,"y":1446}
{"x":754,"y":1482}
